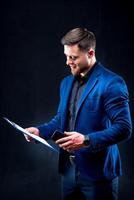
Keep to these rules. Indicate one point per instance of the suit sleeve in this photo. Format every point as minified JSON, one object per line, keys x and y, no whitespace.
{"x":116,"y":106}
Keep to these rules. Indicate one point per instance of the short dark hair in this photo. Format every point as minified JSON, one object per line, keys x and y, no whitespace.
{"x":82,"y":37}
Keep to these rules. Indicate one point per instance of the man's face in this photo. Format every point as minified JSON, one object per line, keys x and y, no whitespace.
{"x":77,"y":60}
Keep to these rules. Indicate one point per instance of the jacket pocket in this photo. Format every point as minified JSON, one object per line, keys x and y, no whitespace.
{"x":93,"y":104}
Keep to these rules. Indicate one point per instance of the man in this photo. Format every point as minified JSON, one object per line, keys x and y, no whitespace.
{"x":94,"y":116}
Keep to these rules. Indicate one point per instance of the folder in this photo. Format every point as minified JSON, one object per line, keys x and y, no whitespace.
{"x":23,"y":131}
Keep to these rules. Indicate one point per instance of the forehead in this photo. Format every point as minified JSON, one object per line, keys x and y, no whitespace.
{"x":71,"y":50}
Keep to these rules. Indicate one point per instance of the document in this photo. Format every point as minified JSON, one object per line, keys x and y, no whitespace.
{"x":22,"y":130}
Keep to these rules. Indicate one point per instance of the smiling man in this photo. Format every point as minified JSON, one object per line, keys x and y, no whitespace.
{"x":94,"y":116}
{"x":79,"y":62}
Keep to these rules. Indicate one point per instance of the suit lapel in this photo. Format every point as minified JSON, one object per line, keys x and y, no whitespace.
{"x":93,"y":79}
{"x":66,"y":95}
{"x":89,"y":87}
{"x":67,"y":92}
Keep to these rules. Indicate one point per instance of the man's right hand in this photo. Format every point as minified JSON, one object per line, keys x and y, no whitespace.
{"x":31,"y":130}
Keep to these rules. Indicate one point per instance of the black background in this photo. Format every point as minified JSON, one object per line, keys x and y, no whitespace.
{"x":32,"y":65}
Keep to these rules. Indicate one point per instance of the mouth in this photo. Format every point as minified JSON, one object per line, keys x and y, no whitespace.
{"x":75,"y":69}
{"x":72,"y":66}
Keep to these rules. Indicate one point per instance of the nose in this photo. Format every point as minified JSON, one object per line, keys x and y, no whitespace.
{"x":69,"y":61}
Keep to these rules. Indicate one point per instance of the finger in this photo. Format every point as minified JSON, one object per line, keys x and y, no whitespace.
{"x":68,"y":133}
{"x":69,"y":149}
{"x":66,"y":145}
{"x":62,"y":140}
{"x":26,"y":137}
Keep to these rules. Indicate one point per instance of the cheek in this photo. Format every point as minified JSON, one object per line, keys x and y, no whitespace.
{"x":81,"y":63}
{"x":78,"y":62}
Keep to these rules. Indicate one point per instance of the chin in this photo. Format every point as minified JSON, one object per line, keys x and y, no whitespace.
{"x":75,"y":73}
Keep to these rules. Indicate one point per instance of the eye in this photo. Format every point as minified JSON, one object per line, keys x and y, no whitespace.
{"x":73,"y":57}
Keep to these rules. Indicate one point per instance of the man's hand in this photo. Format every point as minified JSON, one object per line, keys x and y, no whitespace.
{"x":31,"y":130}
{"x":72,"y":141}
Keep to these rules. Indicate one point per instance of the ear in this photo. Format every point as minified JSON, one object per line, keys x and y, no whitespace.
{"x":91,"y":53}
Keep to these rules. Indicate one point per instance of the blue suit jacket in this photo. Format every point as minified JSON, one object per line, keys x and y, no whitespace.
{"x":102,"y":113}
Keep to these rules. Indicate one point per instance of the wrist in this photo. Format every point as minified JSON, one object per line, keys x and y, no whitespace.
{"x":86,"y":141}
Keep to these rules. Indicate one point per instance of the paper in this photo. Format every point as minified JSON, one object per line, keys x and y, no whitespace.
{"x":22,"y":130}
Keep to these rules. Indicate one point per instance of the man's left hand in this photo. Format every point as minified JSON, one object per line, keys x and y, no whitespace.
{"x":72,"y":141}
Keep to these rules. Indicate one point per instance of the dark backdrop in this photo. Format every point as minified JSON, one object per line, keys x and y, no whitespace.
{"x":32,"y":65}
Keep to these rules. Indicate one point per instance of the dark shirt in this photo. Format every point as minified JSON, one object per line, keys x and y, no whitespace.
{"x":77,"y":89}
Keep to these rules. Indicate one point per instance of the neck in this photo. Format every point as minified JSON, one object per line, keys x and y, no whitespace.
{"x":91,"y":64}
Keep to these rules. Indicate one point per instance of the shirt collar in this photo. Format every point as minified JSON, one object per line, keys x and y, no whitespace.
{"x":84,"y":79}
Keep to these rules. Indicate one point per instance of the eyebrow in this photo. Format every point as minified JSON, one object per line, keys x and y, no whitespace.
{"x":70,"y":55}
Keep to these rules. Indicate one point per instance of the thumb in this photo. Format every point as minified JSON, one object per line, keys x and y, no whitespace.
{"x":68,"y":133}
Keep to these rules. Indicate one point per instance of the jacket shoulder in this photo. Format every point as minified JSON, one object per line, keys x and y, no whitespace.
{"x":109,"y":74}
{"x":66,"y":79}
